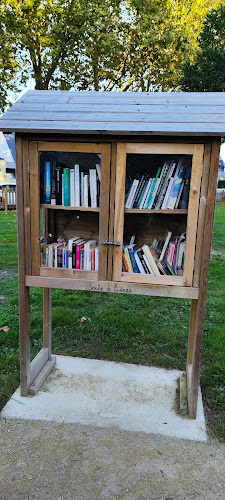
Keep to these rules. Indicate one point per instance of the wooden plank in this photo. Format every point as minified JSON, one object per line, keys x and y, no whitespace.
{"x":24,"y":317}
{"x":112,"y":208}
{"x":70,"y":147}
{"x":68,"y":273}
{"x":104,"y":210}
{"x":76,"y":127}
{"x":191,"y":337}
{"x":113,"y":287}
{"x":117,"y":116}
{"x":26,"y":185}
{"x":121,"y":106}
{"x":167,"y":149}
{"x":183,"y":395}
{"x":35,"y":207}
{"x":119,"y":209}
{"x":149,"y":278}
{"x":34,"y":388}
{"x":47,"y":320}
{"x":38,"y":363}
{"x":62,"y":207}
{"x":200,"y":315}
{"x":193,"y":213}
{"x":202,"y":210}
{"x":154,"y":211}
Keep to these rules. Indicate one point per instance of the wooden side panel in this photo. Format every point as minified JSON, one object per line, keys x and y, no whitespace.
{"x":26,"y":187}
{"x":112,"y":208}
{"x":200,"y":314}
{"x":47,"y":320}
{"x":193,"y":213}
{"x":119,"y":209}
{"x":202,"y":210}
{"x":35,"y":207}
{"x":24,"y":318}
{"x":104,"y":209}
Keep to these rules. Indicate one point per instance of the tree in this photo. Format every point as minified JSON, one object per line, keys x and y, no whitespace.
{"x":207,"y":73}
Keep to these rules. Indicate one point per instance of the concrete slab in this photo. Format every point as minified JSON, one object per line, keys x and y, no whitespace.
{"x":107,"y":394}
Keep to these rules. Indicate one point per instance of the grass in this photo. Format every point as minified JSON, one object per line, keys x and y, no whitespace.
{"x":134,"y":329}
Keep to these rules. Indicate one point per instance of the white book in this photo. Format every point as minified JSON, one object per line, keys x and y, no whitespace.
{"x":96,"y":258}
{"x":62,"y":190}
{"x":85,"y":190}
{"x":167,"y":195}
{"x":168,"y":236}
{"x":93,"y":187}
{"x":131,"y":193}
{"x":72,"y":188}
{"x":139,"y":264}
{"x":77,"y":185}
{"x":98,"y":168}
{"x":82,"y":189}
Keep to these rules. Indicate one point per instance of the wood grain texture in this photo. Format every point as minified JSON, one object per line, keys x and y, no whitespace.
{"x":104,"y":210}
{"x":149,"y":278}
{"x":192,"y":219}
{"x":24,"y":316}
{"x":168,"y":149}
{"x":112,"y":208}
{"x":69,"y":147}
{"x":113,"y":287}
{"x":35,"y":207}
{"x":119,"y":209}
{"x":26,"y":185}
{"x":68,"y":273}
{"x":201,"y":215}
{"x":62,"y":207}
{"x":47,"y":320}
{"x":191,"y":337}
{"x":200,"y":315}
{"x":38,"y":363}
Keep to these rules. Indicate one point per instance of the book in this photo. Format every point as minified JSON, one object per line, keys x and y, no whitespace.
{"x":139,"y":264}
{"x":82,"y":189}
{"x":98,"y":168}
{"x":131,"y":193}
{"x":137,"y":192}
{"x":93,"y":187}
{"x":176,"y":185}
{"x":133,"y":261}
{"x":85,"y":190}
{"x":53,"y":184}
{"x":72,"y":187}
{"x":79,"y":247}
{"x":167,"y":239}
{"x":128,"y":260}
{"x":150,"y":259}
{"x":186,"y":189}
{"x":167,"y":194}
{"x":66,"y":184}
{"x":77,"y":185}
{"x":48,"y":182}
{"x":58,"y":184}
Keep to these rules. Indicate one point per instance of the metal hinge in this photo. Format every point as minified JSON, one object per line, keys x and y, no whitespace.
{"x":110,"y":243}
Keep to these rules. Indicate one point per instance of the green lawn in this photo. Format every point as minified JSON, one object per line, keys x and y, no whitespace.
{"x":145,"y":330}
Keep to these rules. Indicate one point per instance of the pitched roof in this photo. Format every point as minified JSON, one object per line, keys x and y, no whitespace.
{"x":166,"y":113}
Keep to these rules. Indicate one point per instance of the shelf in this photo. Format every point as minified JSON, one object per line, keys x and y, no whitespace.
{"x":77,"y":209}
{"x":68,"y":273}
{"x":154,"y":211}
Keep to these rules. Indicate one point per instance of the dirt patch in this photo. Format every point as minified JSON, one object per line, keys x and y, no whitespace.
{"x":47,"y":461}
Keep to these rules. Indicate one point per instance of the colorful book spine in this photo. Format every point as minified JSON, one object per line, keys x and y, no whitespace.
{"x":72,"y":188}
{"x":47,"y":182}
{"x":77,"y":185}
{"x":66,"y":181}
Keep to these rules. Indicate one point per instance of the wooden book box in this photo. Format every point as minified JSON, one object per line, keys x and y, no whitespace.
{"x":131,"y":137}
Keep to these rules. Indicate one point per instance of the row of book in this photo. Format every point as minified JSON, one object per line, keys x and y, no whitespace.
{"x":159,"y":258}
{"x":75,"y":187}
{"x":169,"y":189}
{"x":75,"y":253}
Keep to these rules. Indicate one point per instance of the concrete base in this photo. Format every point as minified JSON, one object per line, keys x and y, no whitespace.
{"x":105,"y":394}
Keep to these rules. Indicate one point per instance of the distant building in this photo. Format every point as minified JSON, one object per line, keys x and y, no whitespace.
{"x":7,"y":159}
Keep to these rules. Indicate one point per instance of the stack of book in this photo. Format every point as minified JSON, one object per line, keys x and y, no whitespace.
{"x":159,"y":258}
{"x":75,"y":253}
{"x":74,"y":187}
{"x":169,"y":189}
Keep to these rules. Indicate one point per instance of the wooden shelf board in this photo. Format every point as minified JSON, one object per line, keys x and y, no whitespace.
{"x":154,"y":211}
{"x":62,"y":207}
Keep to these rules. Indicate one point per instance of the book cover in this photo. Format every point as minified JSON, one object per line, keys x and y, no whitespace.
{"x":146,"y":194}
{"x":77,"y":185}
{"x":98,"y":168}
{"x":66,"y":184}
{"x":153,"y":189}
{"x":131,"y":193}
{"x":141,"y":256}
{"x":142,"y":194}
{"x":133,"y":261}
{"x":53,"y":184}
{"x":60,"y":256}
{"x":186,"y":189}
{"x":127,"y":256}
{"x":58,"y":184}
{"x":93,"y":187}
{"x":125,"y":263}
{"x":167,"y":194}
{"x":162,"y":178}
{"x":82,"y":189}
{"x":47,"y":182}
{"x":139,"y":264}
{"x":85,"y":190}
{"x":137,"y":192}
{"x":79,"y":247}
{"x":150,"y":259}
{"x":72,"y":187}
{"x":176,"y":186}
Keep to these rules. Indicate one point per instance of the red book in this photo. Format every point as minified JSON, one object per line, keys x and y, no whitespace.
{"x":80,"y":246}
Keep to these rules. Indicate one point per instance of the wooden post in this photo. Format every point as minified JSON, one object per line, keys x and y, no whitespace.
{"x":47,"y":320}
{"x":24,"y":315}
{"x":198,"y":310}
{"x":6,"y":200}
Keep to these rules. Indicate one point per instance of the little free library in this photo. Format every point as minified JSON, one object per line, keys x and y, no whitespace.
{"x":115,"y":193}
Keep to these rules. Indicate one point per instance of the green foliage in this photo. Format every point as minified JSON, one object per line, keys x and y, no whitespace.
{"x":98,"y":45}
{"x":207,"y":72}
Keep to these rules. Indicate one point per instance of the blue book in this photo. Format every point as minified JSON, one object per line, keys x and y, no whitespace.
{"x":133,"y":261}
{"x":66,"y":180}
{"x":47,"y":182}
{"x":176,"y":187}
